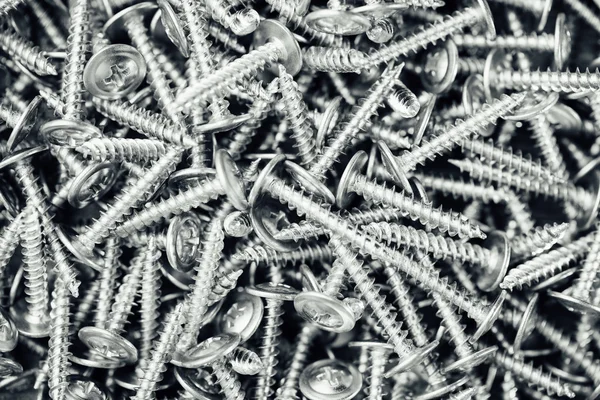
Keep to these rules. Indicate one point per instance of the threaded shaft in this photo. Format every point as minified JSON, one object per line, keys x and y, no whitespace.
{"x":177,"y":204}
{"x":217,"y":83}
{"x":308,"y":253}
{"x":150,"y":296}
{"x":289,"y":387}
{"x":143,"y":121}
{"x":135,"y":194}
{"x":549,"y":81}
{"x":34,"y":265}
{"x":375,"y":389}
{"x":296,"y":114}
{"x":230,"y":385}
{"x":458,"y":188}
{"x":425,"y":36}
{"x":79,"y":48}
{"x":269,"y":349}
{"x":489,"y":113}
{"x":156,"y":75}
{"x":437,"y":246}
{"x":244,"y":361}
{"x":454,"y":223}
{"x":335,"y":279}
{"x":468,"y":66}
{"x":205,"y":271}
{"x":118,"y":149}
{"x":224,"y":37}
{"x":359,"y":119}
{"x":538,"y":240}
{"x":124,"y":299}
{"x":548,"y":146}
{"x":546,"y":265}
{"x":32,"y":57}
{"x":7,"y":6}
{"x":584,"y":285}
{"x":329,"y":59}
{"x":391,"y":136}
{"x":58,"y":345}
{"x":160,"y":355}
{"x":108,"y":281}
{"x":9,"y":240}
{"x":519,"y":211}
{"x":530,"y":42}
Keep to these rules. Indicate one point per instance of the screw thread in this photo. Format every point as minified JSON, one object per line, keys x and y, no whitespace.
{"x":224,"y":283}
{"x":156,"y":75}
{"x":404,"y":102}
{"x":585,"y":12}
{"x":135,"y":194}
{"x":171,"y":68}
{"x":488,"y":114}
{"x":468,"y":66}
{"x":85,"y":305}
{"x":359,"y":119}
{"x":335,"y":279}
{"x":505,"y":158}
{"x":520,"y":211}
{"x":296,"y":114}
{"x":244,"y":361}
{"x":217,"y":83}
{"x":33,"y":192}
{"x":259,"y":110}
{"x":269,"y":349}
{"x":196,"y":23}
{"x":160,"y":355}
{"x":364,"y":285}
{"x":8,"y":115}
{"x":108,"y":281}
{"x":375,"y":385}
{"x":584,"y":286}
{"x":333,"y":59}
{"x":309,"y":253}
{"x":224,"y":37}
{"x":546,"y":265}
{"x":437,"y":246}
{"x":549,"y":81}
{"x":525,"y":183}
{"x":532,"y":375}
{"x":143,"y":121}
{"x":321,"y":213}
{"x":537,"y":240}
{"x":287,"y":13}
{"x":548,"y":146}
{"x":58,"y":345}
{"x":391,"y":136}
{"x":32,"y":57}
{"x":79,"y":47}
{"x":7,"y":6}
{"x":177,"y":204}
{"x":34,"y":265}
{"x":288,"y":389}
{"x":452,"y":222}
{"x":150,"y":296}
{"x":119,"y":149}
{"x":125,"y":297}
{"x":197,"y":300}
{"x":9,"y":240}
{"x":458,"y":188}
{"x":529,"y":42}
{"x":230,"y":385}
{"x":425,"y":36}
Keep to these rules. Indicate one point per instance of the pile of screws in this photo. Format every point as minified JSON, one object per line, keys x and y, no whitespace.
{"x":283,"y":199}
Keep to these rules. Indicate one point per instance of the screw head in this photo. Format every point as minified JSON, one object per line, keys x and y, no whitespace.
{"x":85,"y":357}
{"x":25,"y":123}
{"x":9,"y":334}
{"x":114,"y":72}
{"x":309,"y":182}
{"x":273,"y":291}
{"x":394,"y":166}
{"x":472,"y":360}
{"x":27,"y":325}
{"x":328,"y":313}
{"x":21,"y":155}
{"x":440,"y":67}
{"x":574,"y":304}
{"x":81,"y":388}
{"x":64,"y":132}
{"x":210,"y":350}
{"x":309,"y":280}
{"x":237,"y":224}
{"x":355,"y":166}
{"x":182,"y":242}
{"x":231,"y":179}
{"x":496,"y":60}
{"x":562,"y":41}
{"x":115,"y":26}
{"x":173,"y":27}
{"x":378,"y":11}
{"x":489,"y":278}
{"x":92,"y":184}
{"x":338,"y":22}
{"x":414,"y":358}
{"x":274,"y":31}
{"x":9,"y":367}
{"x":492,"y":315}
{"x":199,"y":382}
{"x":473,"y":94}
{"x":533,"y":106}
{"x":243,"y":317}
{"x":107,"y":344}
{"x":526,"y":324}
{"x":488,"y":18}
{"x":331,"y":379}
{"x":222,"y":125}
{"x":563,"y":117}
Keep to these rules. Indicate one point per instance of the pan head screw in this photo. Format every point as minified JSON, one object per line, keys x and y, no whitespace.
{"x":182,"y":242}
{"x":243,"y":317}
{"x":332,"y":379}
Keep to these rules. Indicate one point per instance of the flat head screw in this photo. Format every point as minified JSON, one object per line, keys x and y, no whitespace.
{"x":274,"y":43}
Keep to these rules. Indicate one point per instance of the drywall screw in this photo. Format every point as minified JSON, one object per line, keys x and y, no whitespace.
{"x":520,"y":212}
{"x":316,"y":211}
{"x":58,"y":345}
{"x":445,"y":221}
{"x":493,"y":256}
{"x":160,"y":355}
{"x":308,"y":253}
{"x":208,"y":263}
{"x":436,"y":31}
{"x":228,"y":181}
{"x":131,"y":21}
{"x":289,"y":385}
{"x":430,"y":149}
{"x":134,"y":194}
{"x":30,"y":56}
{"x":546,"y":264}
{"x":275,"y":294}
{"x":31,"y":317}
{"x":296,"y":114}
{"x":333,"y":59}
{"x":459,"y":188}
{"x":546,"y":141}
{"x":108,"y":282}
{"x":274,"y":43}
{"x":139,"y":151}
{"x":379,"y":356}
{"x":358,"y":120}
{"x":150,"y":297}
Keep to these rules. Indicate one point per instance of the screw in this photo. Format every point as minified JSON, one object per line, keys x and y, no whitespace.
{"x":336,"y":59}
{"x":309,"y":253}
{"x":379,"y":353}
{"x":118,"y":149}
{"x":58,"y":345}
{"x":26,"y":53}
{"x":245,"y":362}
{"x":150,"y":298}
{"x":108,"y":281}
{"x":537,"y":240}
{"x":325,"y":376}
{"x":46,"y":22}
